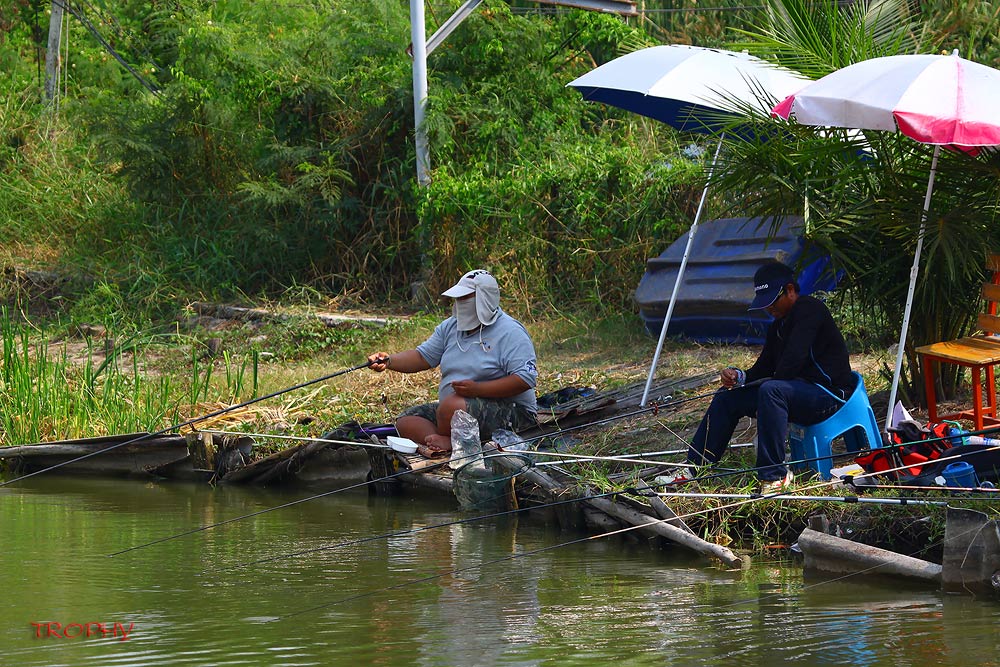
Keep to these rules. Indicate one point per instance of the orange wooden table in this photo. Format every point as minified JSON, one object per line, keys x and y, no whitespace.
{"x":975,"y":353}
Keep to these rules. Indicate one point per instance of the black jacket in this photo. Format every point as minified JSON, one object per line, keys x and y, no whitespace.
{"x":806,"y":345}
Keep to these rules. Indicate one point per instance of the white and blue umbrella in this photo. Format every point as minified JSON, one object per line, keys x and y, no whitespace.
{"x":692,"y":89}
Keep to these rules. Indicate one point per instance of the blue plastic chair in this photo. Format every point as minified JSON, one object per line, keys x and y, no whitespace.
{"x":855,"y":420}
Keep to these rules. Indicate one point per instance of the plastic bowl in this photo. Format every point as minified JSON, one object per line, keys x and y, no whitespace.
{"x":401,"y":445}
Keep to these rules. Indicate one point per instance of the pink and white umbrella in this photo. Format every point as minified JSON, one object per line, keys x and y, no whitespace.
{"x":938,"y":100}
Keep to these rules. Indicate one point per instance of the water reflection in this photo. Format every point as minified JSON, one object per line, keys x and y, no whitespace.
{"x":454,"y":595}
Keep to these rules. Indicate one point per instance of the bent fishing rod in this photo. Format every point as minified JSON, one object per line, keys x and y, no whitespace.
{"x":380,"y":479}
{"x":191,"y":422}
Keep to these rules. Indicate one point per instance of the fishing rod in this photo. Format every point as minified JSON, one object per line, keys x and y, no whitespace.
{"x":744,"y":498}
{"x":654,"y":408}
{"x":887,"y":448}
{"x":292,"y":503}
{"x":481,"y":517}
{"x":524,"y":554}
{"x":298,"y":438}
{"x":985,"y":490}
{"x":741,"y":500}
{"x":574,"y":458}
{"x":614,"y":457}
{"x":191,"y":422}
{"x":901,"y":500}
{"x":406,"y":472}
{"x":347,"y":488}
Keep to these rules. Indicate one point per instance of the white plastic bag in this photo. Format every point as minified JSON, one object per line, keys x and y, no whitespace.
{"x":465,"y":445}
{"x":512,"y":442}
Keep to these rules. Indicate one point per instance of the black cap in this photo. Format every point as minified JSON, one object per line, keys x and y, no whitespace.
{"x":768,"y":282}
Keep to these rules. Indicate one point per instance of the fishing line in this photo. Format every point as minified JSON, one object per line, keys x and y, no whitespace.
{"x":886,"y":448}
{"x":848,"y":576}
{"x":632,"y":490}
{"x":410,"y":531}
{"x":276,"y":507}
{"x":750,"y":499}
{"x":299,"y":438}
{"x":583,"y":458}
{"x":524,"y":554}
{"x":190,"y":422}
{"x":334,"y":491}
{"x":339,"y":545}
{"x":905,"y":500}
{"x":405,"y":472}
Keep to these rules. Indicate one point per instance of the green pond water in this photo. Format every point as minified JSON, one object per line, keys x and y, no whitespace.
{"x":202,"y":600}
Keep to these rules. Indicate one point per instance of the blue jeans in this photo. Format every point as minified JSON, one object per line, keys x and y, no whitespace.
{"x":774,"y":403}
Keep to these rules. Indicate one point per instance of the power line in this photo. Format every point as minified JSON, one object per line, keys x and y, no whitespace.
{"x":79,"y":16}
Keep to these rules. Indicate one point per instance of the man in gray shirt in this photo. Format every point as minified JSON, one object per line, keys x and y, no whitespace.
{"x":487,"y":365}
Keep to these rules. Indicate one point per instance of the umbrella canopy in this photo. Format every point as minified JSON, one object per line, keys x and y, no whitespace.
{"x":933,"y":99}
{"x":687,"y":87}
{"x":690,"y":88}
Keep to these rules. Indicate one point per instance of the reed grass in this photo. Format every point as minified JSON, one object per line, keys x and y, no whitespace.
{"x":46,"y":395}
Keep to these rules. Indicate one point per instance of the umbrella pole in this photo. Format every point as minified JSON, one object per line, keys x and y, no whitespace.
{"x":909,"y":294}
{"x":680,"y":275}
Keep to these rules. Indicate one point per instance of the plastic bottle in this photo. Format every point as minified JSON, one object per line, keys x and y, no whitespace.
{"x":466,"y":447}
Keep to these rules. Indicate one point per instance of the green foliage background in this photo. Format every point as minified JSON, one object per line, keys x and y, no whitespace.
{"x":276,"y":153}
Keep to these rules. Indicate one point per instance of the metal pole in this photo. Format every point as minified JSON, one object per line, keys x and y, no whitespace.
{"x":680,"y":276}
{"x":909,"y":294}
{"x":418,"y":38}
{"x":52,"y":52}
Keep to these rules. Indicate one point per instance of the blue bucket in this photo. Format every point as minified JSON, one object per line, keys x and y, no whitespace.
{"x":960,"y":475}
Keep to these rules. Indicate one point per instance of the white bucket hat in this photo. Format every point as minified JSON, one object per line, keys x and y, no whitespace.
{"x":484,"y":286}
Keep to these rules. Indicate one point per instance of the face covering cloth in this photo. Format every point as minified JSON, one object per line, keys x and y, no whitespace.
{"x":465,"y":314}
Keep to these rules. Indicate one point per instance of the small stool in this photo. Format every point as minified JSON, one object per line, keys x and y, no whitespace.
{"x":855,"y":420}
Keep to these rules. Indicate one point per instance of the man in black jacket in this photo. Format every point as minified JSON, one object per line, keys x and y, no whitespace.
{"x":803,"y":375}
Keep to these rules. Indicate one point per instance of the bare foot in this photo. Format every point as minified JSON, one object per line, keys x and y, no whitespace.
{"x":441,"y":443}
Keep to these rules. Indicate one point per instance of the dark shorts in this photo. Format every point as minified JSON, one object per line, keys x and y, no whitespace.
{"x":492,"y":415}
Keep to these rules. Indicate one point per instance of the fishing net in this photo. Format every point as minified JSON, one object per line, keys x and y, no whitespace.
{"x":483,"y":484}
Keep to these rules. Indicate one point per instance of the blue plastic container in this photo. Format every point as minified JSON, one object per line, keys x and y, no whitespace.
{"x":718,"y":283}
{"x":960,"y":475}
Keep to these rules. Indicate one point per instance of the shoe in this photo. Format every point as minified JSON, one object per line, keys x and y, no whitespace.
{"x":777,"y":485}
